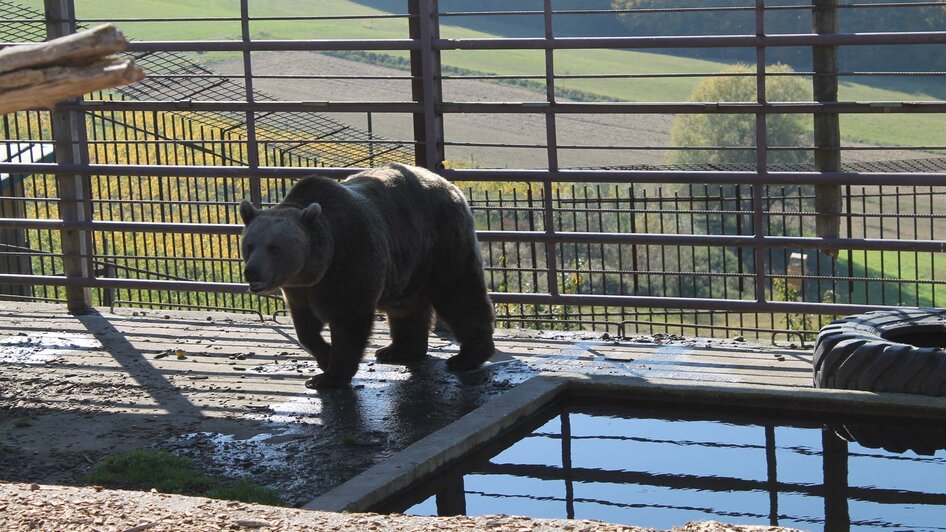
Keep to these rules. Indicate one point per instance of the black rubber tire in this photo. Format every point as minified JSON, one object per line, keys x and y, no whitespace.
{"x":922,"y":440}
{"x":884,"y":351}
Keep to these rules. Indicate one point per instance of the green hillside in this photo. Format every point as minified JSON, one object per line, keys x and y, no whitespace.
{"x":888,"y":270}
{"x":884,"y":130}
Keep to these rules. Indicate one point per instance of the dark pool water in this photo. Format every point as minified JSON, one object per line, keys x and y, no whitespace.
{"x":661,"y":469}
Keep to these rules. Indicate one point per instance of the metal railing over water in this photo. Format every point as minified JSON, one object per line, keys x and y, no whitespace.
{"x":587,"y":213}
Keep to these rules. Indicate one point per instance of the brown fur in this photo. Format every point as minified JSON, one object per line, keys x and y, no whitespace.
{"x":399,"y":239}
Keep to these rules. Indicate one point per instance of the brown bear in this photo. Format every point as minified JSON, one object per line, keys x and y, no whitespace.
{"x":399,"y":239}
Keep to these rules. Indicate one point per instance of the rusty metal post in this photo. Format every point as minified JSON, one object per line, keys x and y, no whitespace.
{"x":426,"y":84}
{"x":252,"y":146}
{"x":551,"y":140}
{"x":762,"y":157}
{"x":834,"y":457}
{"x":827,"y":125}
{"x":69,"y":134}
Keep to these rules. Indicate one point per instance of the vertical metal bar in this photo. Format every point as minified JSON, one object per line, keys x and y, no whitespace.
{"x":827,"y":126}
{"x":426,"y":84}
{"x":551,"y":138}
{"x":71,"y":147}
{"x":567,"y":465}
{"x":761,"y":151}
{"x":451,"y":500}
{"x":834,"y":456}
{"x":635,"y":279}
{"x":252,"y":148}
{"x":370,"y":141}
{"x":772,"y":473}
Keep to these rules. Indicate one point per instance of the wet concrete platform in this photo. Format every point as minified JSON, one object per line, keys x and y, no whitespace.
{"x":228,"y":390}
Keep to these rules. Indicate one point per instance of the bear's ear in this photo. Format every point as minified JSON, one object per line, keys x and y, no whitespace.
{"x":310,"y":213}
{"x":248,"y":212}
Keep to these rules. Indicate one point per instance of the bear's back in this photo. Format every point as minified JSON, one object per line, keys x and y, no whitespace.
{"x":402,"y":192}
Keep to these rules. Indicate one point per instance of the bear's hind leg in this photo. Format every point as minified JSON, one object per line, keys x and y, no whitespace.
{"x":408,"y":336}
{"x":468,"y":312}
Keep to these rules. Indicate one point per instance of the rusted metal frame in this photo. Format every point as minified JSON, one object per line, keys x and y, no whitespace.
{"x":70,"y":136}
{"x":551,"y":141}
{"x":514,"y":107}
{"x":747,"y":241}
{"x":230,"y":19}
{"x":762,"y":157}
{"x":654,"y":239}
{"x":729,"y":305}
{"x":242,"y":106}
{"x":694,"y":107}
{"x":275,"y":45}
{"x":734,"y":305}
{"x":252,"y":146}
{"x":425,"y":84}
{"x":499,"y":175}
{"x":700,"y":41}
{"x":708,"y":177}
{"x":827,"y":126}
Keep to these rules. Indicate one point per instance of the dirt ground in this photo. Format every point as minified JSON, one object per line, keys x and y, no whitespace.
{"x":587,"y":131}
{"x":58,"y":508}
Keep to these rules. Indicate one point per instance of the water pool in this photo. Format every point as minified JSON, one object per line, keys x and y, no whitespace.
{"x":661,"y":466}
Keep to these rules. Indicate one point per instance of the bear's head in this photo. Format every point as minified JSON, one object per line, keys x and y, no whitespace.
{"x":284,"y":246}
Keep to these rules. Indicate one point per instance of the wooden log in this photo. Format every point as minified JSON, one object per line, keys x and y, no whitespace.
{"x":76,"y":49}
{"x":42,"y":74}
{"x":60,"y":83}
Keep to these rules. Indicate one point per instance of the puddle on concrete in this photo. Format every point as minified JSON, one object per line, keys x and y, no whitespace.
{"x":663,"y":468}
{"x":42,"y":348}
{"x":307,"y":443}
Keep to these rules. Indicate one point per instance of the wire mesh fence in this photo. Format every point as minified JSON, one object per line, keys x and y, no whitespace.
{"x":597,"y":206}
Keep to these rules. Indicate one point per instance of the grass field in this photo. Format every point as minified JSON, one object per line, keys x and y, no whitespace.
{"x":893,"y":272}
{"x":884,"y":130}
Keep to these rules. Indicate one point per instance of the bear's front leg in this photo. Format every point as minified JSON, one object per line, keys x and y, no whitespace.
{"x":350,"y":333}
{"x":309,"y":331}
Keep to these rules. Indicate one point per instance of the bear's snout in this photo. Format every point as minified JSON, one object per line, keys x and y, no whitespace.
{"x":255,"y":279}
{"x":251,"y":275}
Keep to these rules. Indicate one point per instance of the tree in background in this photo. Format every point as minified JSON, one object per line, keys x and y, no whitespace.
{"x":739,"y":129}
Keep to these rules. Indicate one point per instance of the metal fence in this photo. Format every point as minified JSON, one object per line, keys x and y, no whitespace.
{"x":129,"y":197}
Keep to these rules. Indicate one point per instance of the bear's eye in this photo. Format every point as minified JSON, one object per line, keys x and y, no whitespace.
{"x":273,"y":248}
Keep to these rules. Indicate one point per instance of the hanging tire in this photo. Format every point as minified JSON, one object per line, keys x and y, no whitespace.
{"x":884,"y":351}
{"x":923,"y":440}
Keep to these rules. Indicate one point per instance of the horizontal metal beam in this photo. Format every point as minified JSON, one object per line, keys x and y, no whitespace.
{"x":696,"y":41}
{"x":729,"y":241}
{"x":502,"y":175}
{"x":703,"y":177}
{"x":174,"y":170}
{"x":275,"y":45}
{"x":728,"y":305}
{"x":217,"y":106}
{"x":537,"y":107}
{"x":567,"y":237}
{"x":139,"y":284}
{"x":683,"y":108}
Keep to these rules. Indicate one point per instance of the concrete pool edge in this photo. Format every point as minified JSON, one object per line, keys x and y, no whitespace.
{"x":453,"y":442}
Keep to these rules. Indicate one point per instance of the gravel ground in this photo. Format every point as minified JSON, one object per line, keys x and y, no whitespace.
{"x":35,"y":507}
